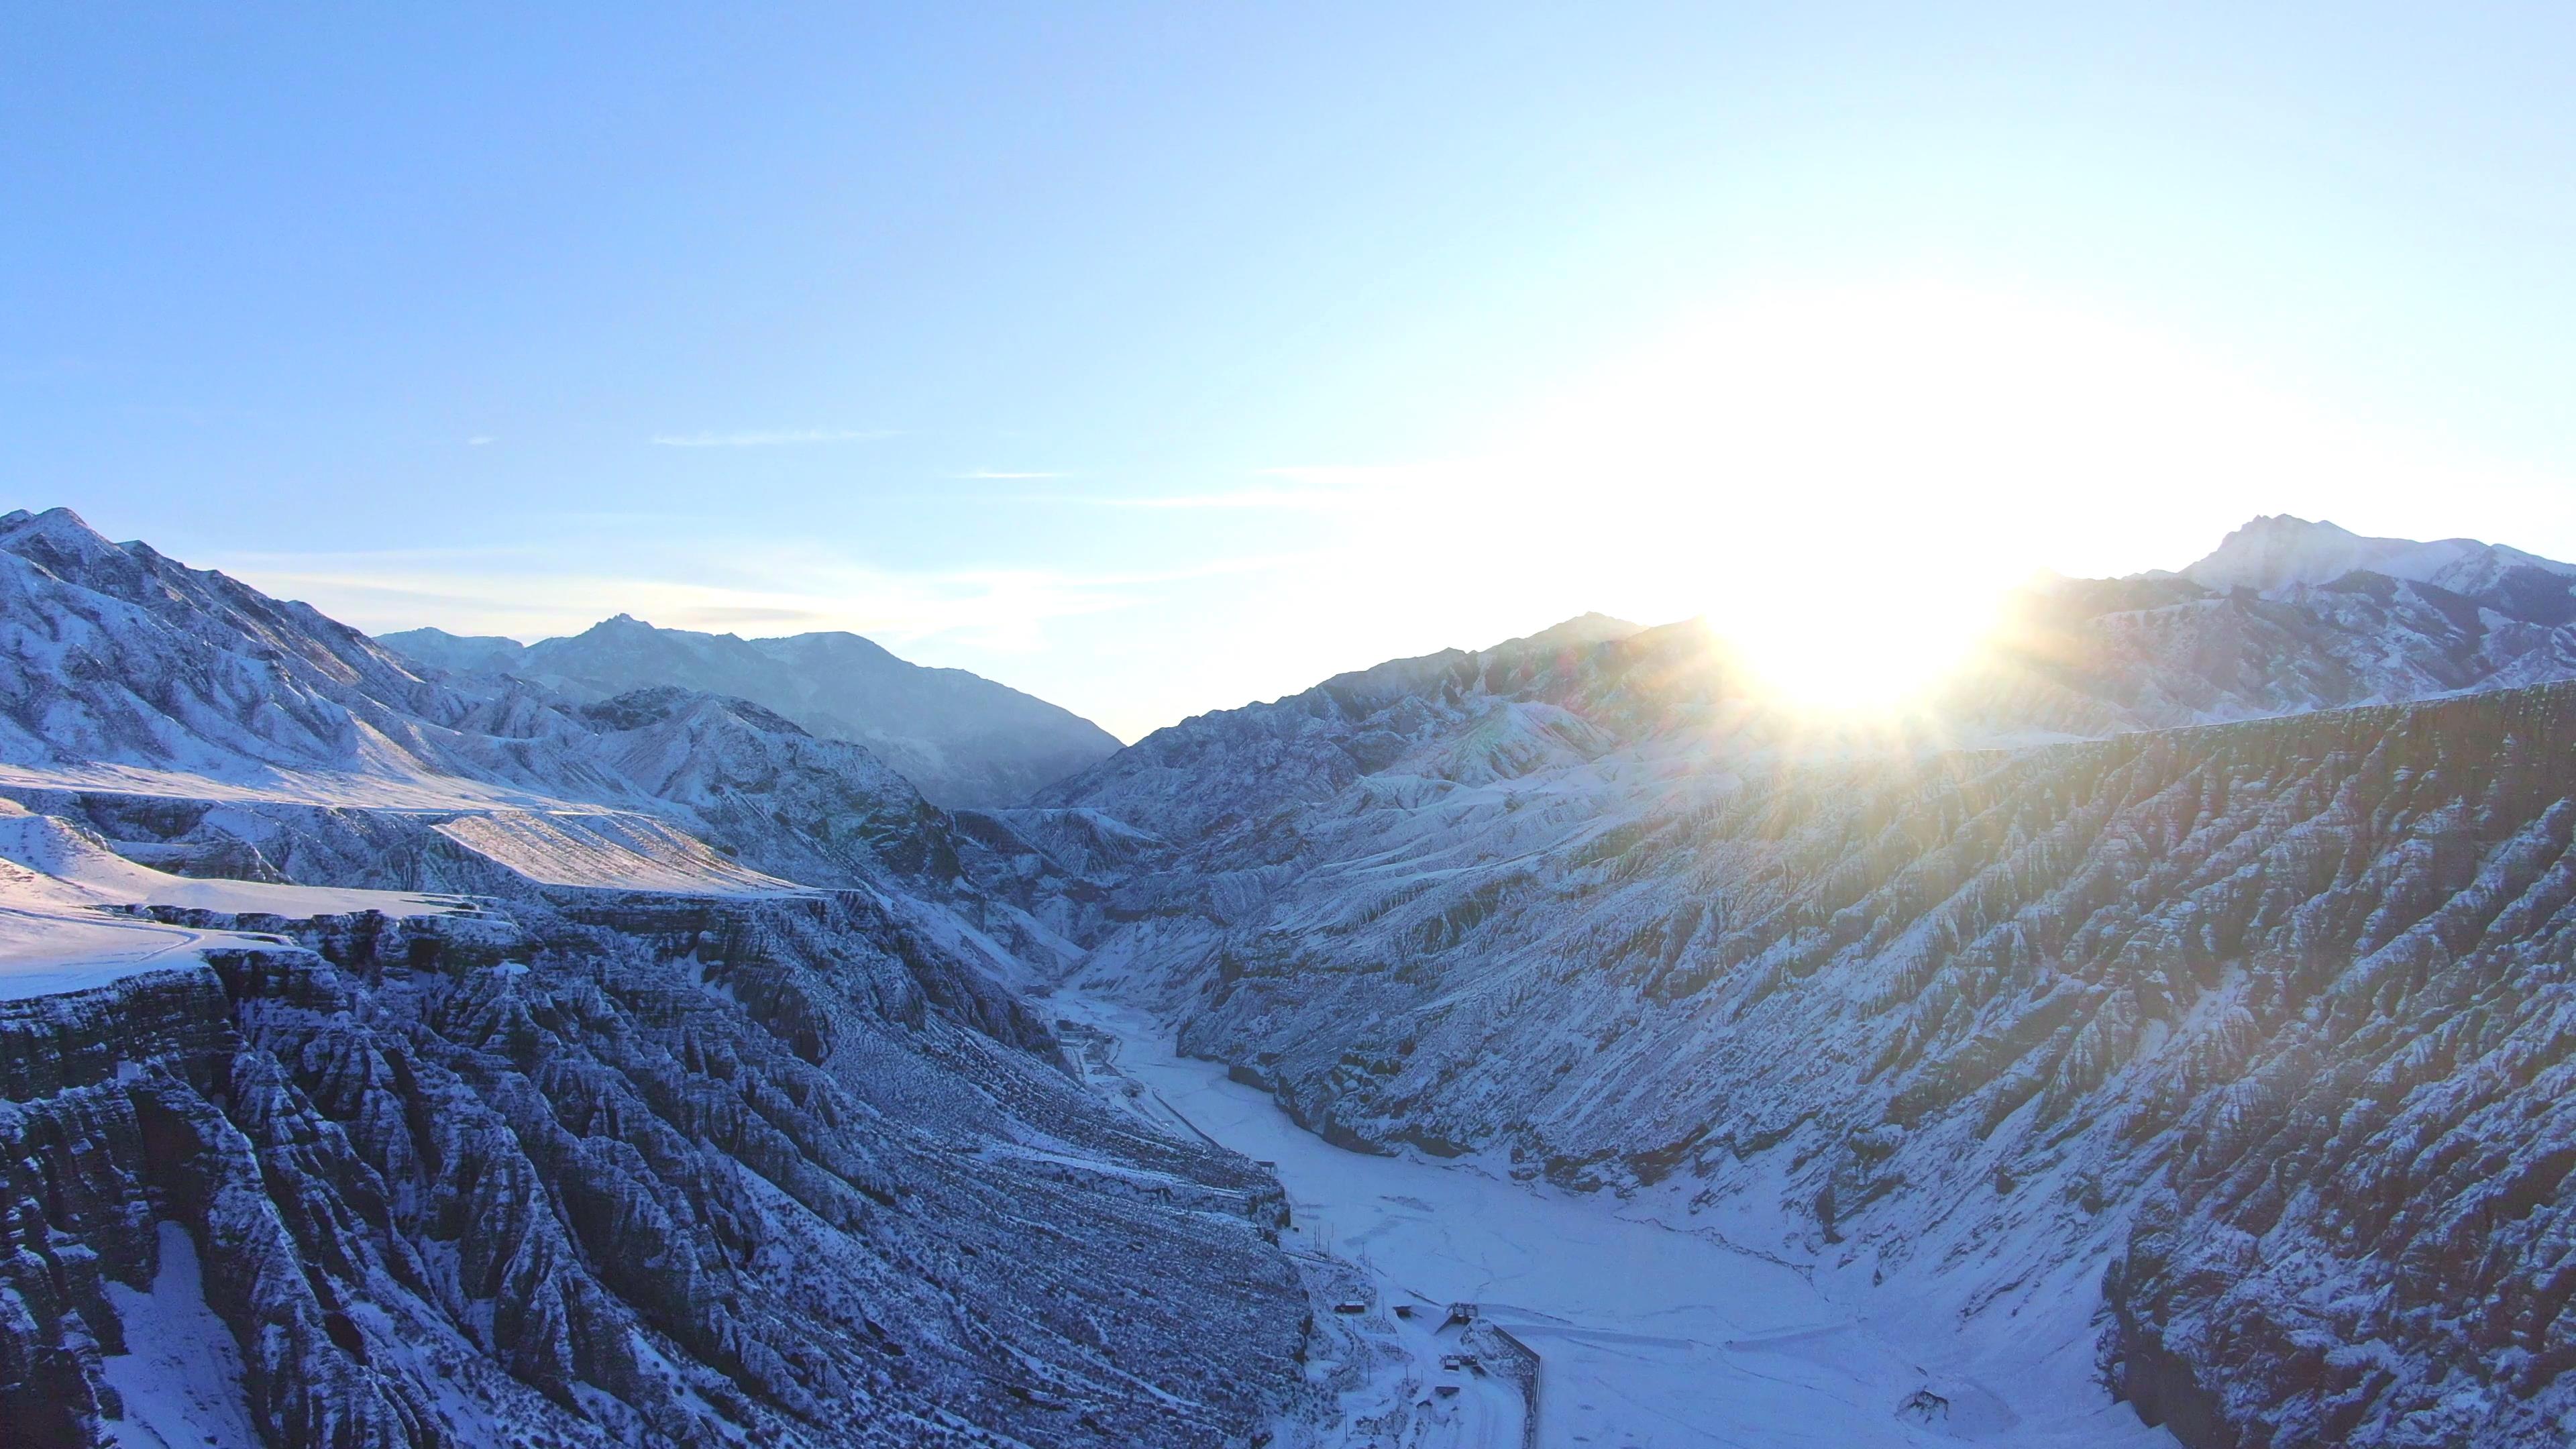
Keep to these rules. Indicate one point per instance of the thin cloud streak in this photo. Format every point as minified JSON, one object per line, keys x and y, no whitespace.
{"x":1247,"y":498}
{"x":980,"y":474}
{"x":1323,"y":488}
{"x":773,"y":438}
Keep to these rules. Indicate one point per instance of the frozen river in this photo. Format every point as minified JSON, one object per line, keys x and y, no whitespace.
{"x":1647,"y":1336}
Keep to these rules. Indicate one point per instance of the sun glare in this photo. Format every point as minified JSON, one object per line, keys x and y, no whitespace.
{"x":1858,"y":650}
{"x":1845,"y":483}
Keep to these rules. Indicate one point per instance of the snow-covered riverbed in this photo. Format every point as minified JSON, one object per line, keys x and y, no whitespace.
{"x":1647,"y":1336}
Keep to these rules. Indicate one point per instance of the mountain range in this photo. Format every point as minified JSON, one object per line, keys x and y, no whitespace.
{"x":961,"y":739}
{"x":2157,"y":1033}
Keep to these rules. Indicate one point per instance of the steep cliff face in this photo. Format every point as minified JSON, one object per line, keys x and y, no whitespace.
{"x":2265,"y":1017}
{"x":627,"y":1169}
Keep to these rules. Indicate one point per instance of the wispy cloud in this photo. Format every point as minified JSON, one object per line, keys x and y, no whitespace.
{"x":755,"y":614}
{"x":999,"y":473}
{"x":480,"y":440}
{"x":1241,"y":498}
{"x":1330,"y":488}
{"x":771,"y":438}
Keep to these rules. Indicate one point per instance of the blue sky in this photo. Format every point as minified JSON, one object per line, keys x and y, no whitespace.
{"x":1159,"y":358}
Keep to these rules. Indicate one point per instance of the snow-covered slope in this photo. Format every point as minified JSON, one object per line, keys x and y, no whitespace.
{"x":47,"y":859}
{"x":124,"y":675}
{"x":2199,"y":1046}
{"x":712,"y":1119}
{"x":457,"y":653}
{"x":961,"y":739}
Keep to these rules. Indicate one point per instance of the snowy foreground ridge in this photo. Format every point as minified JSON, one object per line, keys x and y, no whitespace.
{"x":2164,"y":1035}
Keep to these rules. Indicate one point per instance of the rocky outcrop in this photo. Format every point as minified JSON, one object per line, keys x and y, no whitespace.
{"x":632,"y":1169}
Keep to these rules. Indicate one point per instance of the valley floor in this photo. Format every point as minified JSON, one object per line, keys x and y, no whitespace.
{"x":1646,"y":1335}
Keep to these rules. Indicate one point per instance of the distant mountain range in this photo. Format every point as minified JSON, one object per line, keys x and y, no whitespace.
{"x":961,"y":739}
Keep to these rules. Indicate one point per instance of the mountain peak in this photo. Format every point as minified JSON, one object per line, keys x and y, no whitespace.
{"x":2280,"y":550}
{"x":2274,"y":549}
{"x":59,"y":526}
{"x":1585,"y":628}
{"x":61,"y":541}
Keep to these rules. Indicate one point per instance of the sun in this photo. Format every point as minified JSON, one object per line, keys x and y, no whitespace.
{"x":1855,"y":648}
{"x":1846,"y":482}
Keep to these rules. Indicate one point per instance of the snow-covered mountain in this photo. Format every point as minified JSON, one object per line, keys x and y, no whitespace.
{"x":2224,"y":1061}
{"x":2171,"y":1008}
{"x":2280,"y":550}
{"x":132,"y":676}
{"x":2284,"y":616}
{"x":961,"y":739}
{"x":711,"y":1116}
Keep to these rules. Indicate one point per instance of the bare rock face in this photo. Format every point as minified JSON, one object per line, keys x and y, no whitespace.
{"x":633,"y":1170}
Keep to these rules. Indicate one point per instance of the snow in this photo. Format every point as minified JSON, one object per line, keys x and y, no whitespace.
{"x":181,"y":1376}
{"x":42,"y":954}
{"x":1647,"y":1335}
{"x":54,"y":937}
{"x":267,"y":784}
{"x":77,"y":866}
{"x":548,"y":841}
{"x":607,"y":849}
